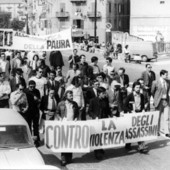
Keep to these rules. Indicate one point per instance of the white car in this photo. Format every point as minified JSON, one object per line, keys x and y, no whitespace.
{"x":17,"y":150}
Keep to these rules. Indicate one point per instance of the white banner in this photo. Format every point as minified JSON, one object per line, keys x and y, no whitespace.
{"x":15,"y":40}
{"x":83,"y":136}
{"x":67,"y":136}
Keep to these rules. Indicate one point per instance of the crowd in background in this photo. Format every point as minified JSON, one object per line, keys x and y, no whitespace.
{"x":41,"y":92}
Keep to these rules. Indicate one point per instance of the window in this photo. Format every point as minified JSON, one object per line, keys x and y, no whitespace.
{"x":162,"y":2}
{"x":79,"y":23}
{"x":120,"y":8}
{"x":62,"y":7}
{"x":110,"y":7}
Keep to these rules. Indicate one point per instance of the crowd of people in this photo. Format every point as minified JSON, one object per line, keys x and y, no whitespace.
{"x":41,"y":92}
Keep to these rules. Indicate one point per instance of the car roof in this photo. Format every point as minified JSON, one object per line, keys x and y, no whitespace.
{"x":11,"y":117}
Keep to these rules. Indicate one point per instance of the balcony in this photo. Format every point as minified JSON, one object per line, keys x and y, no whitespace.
{"x":78,"y":32}
{"x":92,"y":14}
{"x":62,"y":14}
{"x":78,"y":1}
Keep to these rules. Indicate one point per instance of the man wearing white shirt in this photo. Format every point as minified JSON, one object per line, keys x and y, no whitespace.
{"x":5,"y":90}
{"x":40,"y":81}
{"x":108,"y":68}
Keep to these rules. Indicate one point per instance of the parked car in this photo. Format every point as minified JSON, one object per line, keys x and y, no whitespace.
{"x":17,"y":150}
{"x":145,"y":49}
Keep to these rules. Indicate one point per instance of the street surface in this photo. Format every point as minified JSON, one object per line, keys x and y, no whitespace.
{"x":119,"y":158}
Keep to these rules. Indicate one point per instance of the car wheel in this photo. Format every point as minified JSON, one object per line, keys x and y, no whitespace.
{"x":144,"y":58}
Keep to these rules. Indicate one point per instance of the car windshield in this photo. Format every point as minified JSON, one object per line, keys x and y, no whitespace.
{"x":14,"y":136}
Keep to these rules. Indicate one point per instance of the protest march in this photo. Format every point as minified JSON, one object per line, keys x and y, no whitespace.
{"x":89,"y":108}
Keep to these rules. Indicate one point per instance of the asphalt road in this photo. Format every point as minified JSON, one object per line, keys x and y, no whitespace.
{"x":119,"y":158}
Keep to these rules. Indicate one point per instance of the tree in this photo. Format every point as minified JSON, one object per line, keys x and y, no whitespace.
{"x":17,"y":24}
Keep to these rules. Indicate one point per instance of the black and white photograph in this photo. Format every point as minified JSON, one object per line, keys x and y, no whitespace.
{"x":85,"y":84}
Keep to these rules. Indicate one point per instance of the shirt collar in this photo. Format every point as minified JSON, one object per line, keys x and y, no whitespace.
{"x":136,"y":94}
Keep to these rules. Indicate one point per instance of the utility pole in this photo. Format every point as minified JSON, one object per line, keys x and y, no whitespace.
{"x":95,"y":21}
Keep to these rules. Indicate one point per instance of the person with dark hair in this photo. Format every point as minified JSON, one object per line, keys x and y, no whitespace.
{"x":5,"y":91}
{"x":73,"y":59}
{"x":18,"y":99}
{"x":92,"y":91}
{"x":56,"y":59}
{"x":135,"y":103}
{"x":74,"y":71}
{"x":144,"y":91}
{"x":101,"y":77}
{"x":52,"y":83}
{"x":17,"y":78}
{"x":67,"y":110}
{"x":83,"y":65}
{"x":148,"y":76}
{"x":16,"y":62}
{"x":94,"y":65}
{"x":107,"y":68}
{"x":160,"y":92}
{"x":45,"y":68}
{"x":40,"y":81}
{"x":99,"y":109}
{"x":78,"y":95}
{"x":115,"y":98}
{"x":49,"y":105}
{"x":33,"y":63}
{"x":32,"y":114}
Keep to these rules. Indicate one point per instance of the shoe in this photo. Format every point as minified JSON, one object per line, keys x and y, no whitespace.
{"x":63,"y":163}
{"x":143,"y":150}
{"x":167,"y":135}
{"x":37,"y":144}
{"x":128,"y":146}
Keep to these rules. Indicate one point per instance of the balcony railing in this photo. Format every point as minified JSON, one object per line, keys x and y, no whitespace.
{"x":78,"y":1}
{"x":62,"y":14}
{"x":92,"y":14}
{"x":78,"y":32}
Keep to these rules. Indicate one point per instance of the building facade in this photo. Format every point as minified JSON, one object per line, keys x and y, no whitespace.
{"x":80,"y":15}
{"x":149,"y":18}
{"x":12,"y":7}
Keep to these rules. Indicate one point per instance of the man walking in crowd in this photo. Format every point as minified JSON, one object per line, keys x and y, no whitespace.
{"x":17,"y":78}
{"x":52,"y":83}
{"x":5,"y":91}
{"x":99,"y":109}
{"x":148,"y":77}
{"x":40,"y":81}
{"x":73,"y":59}
{"x":67,"y":110}
{"x":18,"y":100}
{"x":160,"y":91}
{"x":33,"y":115}
{"x":49,"y":105}
{"x":135,"y":103}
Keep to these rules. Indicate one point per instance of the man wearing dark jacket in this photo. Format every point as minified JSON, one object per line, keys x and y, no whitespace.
{"x":98,"y":109}
{"x":56,"y":59}
{"x":67,"y":109}
{"x":33,"y":115}
{"x":135,"y":103}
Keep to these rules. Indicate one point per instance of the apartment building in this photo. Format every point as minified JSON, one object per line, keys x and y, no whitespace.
{"x":80,"y":15}
{"x":148,"y":17}
{"x":12,"y":7}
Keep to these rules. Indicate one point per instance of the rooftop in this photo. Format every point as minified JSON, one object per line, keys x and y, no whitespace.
{"x":11,"y":1}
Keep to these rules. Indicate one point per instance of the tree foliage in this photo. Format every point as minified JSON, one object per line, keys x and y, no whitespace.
{"x":17,"y":24}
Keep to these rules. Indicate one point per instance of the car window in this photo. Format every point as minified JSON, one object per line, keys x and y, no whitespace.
{"x":14,"y":136}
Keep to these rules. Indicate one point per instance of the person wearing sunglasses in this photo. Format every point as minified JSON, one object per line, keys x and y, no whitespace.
{"x":33,"y":114}
{"x":18,"y":100}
